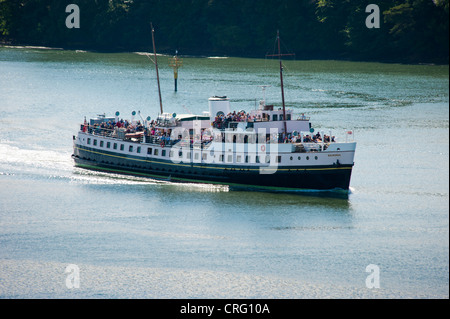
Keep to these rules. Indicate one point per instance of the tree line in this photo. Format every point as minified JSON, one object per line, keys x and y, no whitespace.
{"x":410,"y":31}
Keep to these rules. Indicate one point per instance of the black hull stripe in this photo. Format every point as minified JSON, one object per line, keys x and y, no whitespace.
{"x":190,"y":180}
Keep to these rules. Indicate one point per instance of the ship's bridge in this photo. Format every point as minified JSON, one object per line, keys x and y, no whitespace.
{"x":269,"y":118}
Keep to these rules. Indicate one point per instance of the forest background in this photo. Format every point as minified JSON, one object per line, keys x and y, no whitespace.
{"x":410,"y":31}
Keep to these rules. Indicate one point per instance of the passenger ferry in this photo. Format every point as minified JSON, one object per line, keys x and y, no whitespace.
{"x":265,"y":148}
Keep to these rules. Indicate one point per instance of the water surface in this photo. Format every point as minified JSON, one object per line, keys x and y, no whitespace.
{"x":137,"y":238}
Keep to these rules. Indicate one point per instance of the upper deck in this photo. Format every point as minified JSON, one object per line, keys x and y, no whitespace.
{"x":262,"y":126}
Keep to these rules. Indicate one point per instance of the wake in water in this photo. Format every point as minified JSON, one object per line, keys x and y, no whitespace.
{"x":40,"y":163}
{"x":17,"y":160}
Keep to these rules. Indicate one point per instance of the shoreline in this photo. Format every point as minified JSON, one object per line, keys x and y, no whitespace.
{"x":212,"y":56}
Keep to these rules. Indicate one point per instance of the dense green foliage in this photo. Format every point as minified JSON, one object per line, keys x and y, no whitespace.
{"x":410,"y":31}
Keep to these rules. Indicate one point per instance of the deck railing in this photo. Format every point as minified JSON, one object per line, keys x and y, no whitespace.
{"x":302,"y":144}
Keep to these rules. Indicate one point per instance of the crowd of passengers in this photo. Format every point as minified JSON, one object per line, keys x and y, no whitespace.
{"x":110,"y":128}
{"x":317,"y":138}
{"x":221,"y":120}
{"x":107,"y":128}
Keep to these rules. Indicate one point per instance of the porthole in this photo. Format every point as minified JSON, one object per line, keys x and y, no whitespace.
{"x":307,"y":158}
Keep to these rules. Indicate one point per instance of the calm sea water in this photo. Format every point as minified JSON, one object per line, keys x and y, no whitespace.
{"x":134,"y":237}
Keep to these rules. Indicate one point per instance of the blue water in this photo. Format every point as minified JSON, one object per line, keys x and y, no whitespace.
{"x":188,"y":238}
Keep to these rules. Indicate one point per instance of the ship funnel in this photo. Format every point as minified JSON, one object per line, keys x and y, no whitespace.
{"x":218,"y":105}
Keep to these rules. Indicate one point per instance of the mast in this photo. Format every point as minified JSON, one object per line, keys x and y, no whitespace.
{"x":281,"y":79}
{"x":279,"y":55}
{"x":156,"y":65}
